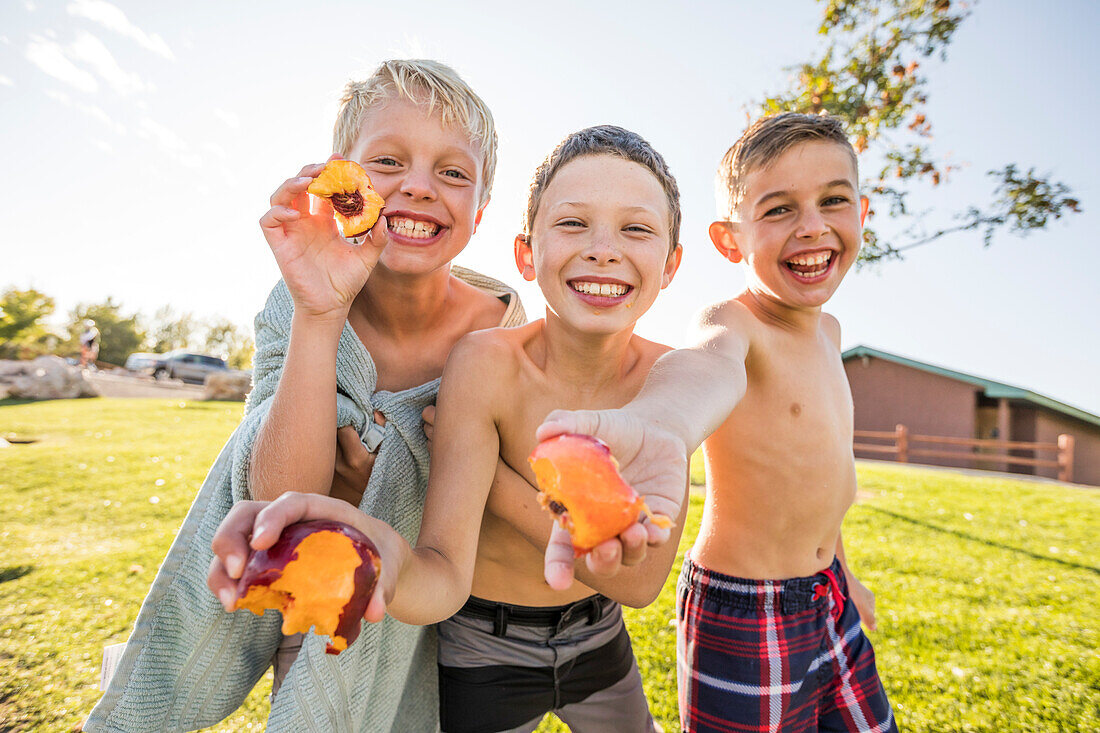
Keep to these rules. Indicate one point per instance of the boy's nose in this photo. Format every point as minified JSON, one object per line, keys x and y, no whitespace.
{"x":811,"y":225}
{"x":418,"y":184}
{"x":602,"y":249}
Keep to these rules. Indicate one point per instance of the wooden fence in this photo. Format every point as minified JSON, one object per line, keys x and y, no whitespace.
{"x":978,"y":452}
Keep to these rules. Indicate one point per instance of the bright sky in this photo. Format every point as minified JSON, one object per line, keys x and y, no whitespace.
{"x":142,"y":140}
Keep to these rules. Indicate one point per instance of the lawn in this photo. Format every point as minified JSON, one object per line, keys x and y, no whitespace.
{"x":987,"y":588}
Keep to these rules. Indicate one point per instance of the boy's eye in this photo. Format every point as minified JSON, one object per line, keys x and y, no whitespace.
{"x":570,"y":223}
{"x":453,"y":173}
{"x":776,"y":211}
{"x":384,"y":161}
{"x":834,"y":200}
{"x":638,"y":229}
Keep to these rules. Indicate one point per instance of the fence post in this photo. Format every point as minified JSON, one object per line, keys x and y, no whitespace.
{"x":902,"y":438}
{"x":1065,"y":457}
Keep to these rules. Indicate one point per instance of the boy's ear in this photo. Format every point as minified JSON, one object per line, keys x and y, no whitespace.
{"x":477,"y":217}
{"x":722,"y":234}
{"x":864,"y":207}
{"x":672,"y":264}
{"x":525,"y":257}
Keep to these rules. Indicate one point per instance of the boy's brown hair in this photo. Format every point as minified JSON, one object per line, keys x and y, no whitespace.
{"x":424,"y":82}
{"x":606,"y":140}
{"x":761,"y":144}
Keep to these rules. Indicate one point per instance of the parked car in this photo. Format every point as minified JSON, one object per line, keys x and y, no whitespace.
{"x":188,"y":366}
{"x":143,"y":362}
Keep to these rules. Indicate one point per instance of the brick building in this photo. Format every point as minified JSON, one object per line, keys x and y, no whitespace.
{"x":890,"y":390}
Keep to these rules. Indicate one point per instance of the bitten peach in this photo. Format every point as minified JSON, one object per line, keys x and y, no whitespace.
{"x":318,"y":574}
{"x":348,"y":187}
{"x":579,"y":483}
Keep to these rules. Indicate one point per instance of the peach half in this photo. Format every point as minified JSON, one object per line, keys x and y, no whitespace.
{"x":579,"y":483}
{"x":348,"y":188}
{"x":318,"y":574}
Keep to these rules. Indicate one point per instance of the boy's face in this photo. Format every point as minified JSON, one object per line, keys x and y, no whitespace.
{"x":600,"y":244}
{"x":800,"y":225}
{"x":430,"y":175}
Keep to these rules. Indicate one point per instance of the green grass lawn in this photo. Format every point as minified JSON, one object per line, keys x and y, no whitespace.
{"x":987,"y":588}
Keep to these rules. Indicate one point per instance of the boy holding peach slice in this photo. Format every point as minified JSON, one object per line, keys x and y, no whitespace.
{"x":601,"y":239}
{"x":769,"y":633}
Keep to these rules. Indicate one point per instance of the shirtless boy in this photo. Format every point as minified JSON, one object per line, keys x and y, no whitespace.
{"x":768,"y":635}
{"x":601,"y":239}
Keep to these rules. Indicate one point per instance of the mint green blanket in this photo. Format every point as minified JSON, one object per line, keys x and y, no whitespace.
{"x":188,"y":664}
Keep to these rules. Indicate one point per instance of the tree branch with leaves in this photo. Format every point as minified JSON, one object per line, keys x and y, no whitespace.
{"x":869,"y":77}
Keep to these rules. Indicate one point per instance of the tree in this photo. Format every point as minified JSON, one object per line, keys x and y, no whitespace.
{"x":225,"y":339}
{"x":22,"y":330}
{"x":169,"y":331}
{"x":868,"y":77}
{"x":119,"y":335}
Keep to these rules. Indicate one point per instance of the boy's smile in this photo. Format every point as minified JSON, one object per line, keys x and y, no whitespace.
{"x":430,"y":175}
{"x":599,"y":243}
{"x":800,"y":227}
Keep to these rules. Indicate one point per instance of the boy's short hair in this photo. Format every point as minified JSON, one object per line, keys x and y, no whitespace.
{"x":606,"y":140}
{"x":761,"y":144}
{"x":425,"y":82}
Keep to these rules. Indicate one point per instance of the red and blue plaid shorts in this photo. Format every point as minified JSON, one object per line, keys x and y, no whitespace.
{"x":760,"y":656}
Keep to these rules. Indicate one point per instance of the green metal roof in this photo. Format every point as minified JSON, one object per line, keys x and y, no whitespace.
{"x":995,"y":390}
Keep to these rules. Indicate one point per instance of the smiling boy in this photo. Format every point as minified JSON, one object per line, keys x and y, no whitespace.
{"x":769,"y":637}
{"x":601,"y":239}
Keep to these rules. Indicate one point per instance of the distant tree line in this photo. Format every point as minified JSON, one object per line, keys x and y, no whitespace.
{"x":25,"y":333}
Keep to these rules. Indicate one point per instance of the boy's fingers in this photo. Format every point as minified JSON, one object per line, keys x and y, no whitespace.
{"x":558,"y":568}
{"x":634,"y":542}
{"x":291,"y":191}
{"x":220,"y":584}
{"x":568,"y":421}
{"x":605,"y":558}
{"x":376,"y":606}
{"x":277,"y":216}
{"x":230,"y":541}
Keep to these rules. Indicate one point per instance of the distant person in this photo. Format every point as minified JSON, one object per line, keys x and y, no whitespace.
{"x":769,"y":635}
{"x":354,"y":335}
{"x":601,"y":238}
{"x":89,"y":344}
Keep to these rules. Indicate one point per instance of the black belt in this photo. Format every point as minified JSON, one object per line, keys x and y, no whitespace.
{"x":589,"y":609}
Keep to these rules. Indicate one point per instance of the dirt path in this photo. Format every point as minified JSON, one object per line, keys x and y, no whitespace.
{"x":115,"y":385}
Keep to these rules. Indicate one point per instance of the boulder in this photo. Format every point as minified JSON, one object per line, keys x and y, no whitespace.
{"x":227,"y":386}
{"x":45,"y":378}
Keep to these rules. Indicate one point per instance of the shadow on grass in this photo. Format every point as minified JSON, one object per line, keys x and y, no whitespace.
{"x":972,"y":538}
{"x":15,"y":572}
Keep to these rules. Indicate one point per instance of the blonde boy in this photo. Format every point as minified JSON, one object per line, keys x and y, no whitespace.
{"x":350,"y":348}
{"x":769,"y":638}
{"x":601,"y":239}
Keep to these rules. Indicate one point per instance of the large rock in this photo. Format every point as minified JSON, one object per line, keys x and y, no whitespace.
{"x":45,"y":378}
{"x":227,"y":386}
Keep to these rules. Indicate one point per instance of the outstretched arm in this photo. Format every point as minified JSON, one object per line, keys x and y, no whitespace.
{"x":689,"y":393}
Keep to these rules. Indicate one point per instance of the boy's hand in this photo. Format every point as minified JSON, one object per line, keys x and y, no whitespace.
{"x":322,"y":270}
{"x":652,"y":460}
{"x":864,"y":598}
{"x":354,"y":464}
{"x":256,"y":525}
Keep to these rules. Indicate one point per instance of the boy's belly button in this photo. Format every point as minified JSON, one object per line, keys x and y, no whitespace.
{"x":821,"y":553}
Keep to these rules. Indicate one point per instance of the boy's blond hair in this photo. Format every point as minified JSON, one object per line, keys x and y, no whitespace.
{"x":425,"y":82}
{"x":761,"y":144}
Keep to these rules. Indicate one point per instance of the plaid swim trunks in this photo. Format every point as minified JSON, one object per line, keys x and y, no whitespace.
{"x":787,"y":656}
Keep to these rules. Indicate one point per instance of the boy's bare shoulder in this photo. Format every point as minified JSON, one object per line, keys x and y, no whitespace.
{"x":729,"y":323}
{"x":830,"y":326}
{"x":493,"y":351}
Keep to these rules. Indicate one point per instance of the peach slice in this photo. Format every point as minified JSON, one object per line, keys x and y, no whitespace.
{"x":348,"y":187}
{"x":579,"y":483}
{"x":318,"y":574}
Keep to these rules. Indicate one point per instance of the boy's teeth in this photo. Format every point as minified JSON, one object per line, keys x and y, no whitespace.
{"x":808,"y":260}
{"x":413,"y":228}
{"x":609,"y":290}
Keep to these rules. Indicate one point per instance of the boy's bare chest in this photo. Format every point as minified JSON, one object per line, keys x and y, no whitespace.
{"x":536,"y":399}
